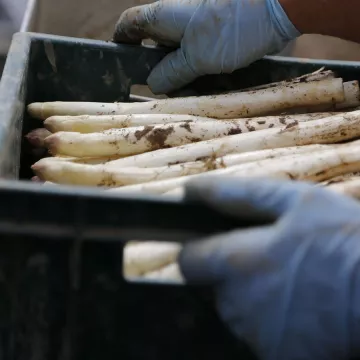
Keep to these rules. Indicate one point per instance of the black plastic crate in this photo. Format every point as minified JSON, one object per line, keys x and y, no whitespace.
{"x":62,"y":294}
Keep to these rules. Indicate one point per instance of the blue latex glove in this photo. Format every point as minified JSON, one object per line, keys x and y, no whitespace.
{"x":215,"y":36}
{"x":291,"y":289}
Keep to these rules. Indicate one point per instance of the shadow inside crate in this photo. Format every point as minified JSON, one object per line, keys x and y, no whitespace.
{"x":63,"y":302}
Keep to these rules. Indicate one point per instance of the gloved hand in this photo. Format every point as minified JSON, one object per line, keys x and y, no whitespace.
{"x":291,"y":289}
{"x":216,"y":36}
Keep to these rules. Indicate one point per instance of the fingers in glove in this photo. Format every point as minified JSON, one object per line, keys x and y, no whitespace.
{"x":248,"y":198}
{"x":241,"y":252}
{"x":130,"y":26}
{"x":172,"y":73}
{"x":156,"y":21}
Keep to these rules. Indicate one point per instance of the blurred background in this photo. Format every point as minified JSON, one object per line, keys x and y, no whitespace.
{"x":95,"y":19}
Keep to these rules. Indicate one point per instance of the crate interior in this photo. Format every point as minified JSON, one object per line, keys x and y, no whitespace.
{"x":61,"y":70}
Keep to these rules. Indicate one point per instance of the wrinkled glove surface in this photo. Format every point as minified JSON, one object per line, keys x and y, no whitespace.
{"x":291,"y":289}
{"x":211,"y":36}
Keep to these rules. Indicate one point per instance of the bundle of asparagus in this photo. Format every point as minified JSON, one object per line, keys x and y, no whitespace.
{"x":294,"y":130}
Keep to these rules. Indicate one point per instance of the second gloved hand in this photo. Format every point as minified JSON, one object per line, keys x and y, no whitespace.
{"x":212,"y":36}
{"x":291,"y":289}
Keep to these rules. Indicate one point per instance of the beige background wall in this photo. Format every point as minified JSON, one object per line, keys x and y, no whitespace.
{"x":81,"y":18}
{"x":324,"y":47}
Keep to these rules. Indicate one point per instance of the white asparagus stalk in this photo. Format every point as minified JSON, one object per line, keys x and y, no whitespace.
{"x":350,"y":187}
{"x":246,"y":157}
{"x":96,"y":123}
{"x":243,"y":104}
{"x":92,"y":161}
{"x":169,"y":273}
{"x":352,"y":96}
{"x":323,"y":131}
{"x":159,"y":187}
{"x":90,"y":124}
{"x":268,"y":122}
{"x":317,"y":75}
{"x":85,"y":160}
{"x":138,"y":140}
{"x":143,"y":139}
{"x":315,"y":167}
{"x":176,"y":193}
{"x":143,"y":257}
{"x":352,"y":100}
{"x":64,"y":172}
{"x":37,"y":137}
{"x":47,"y":183}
